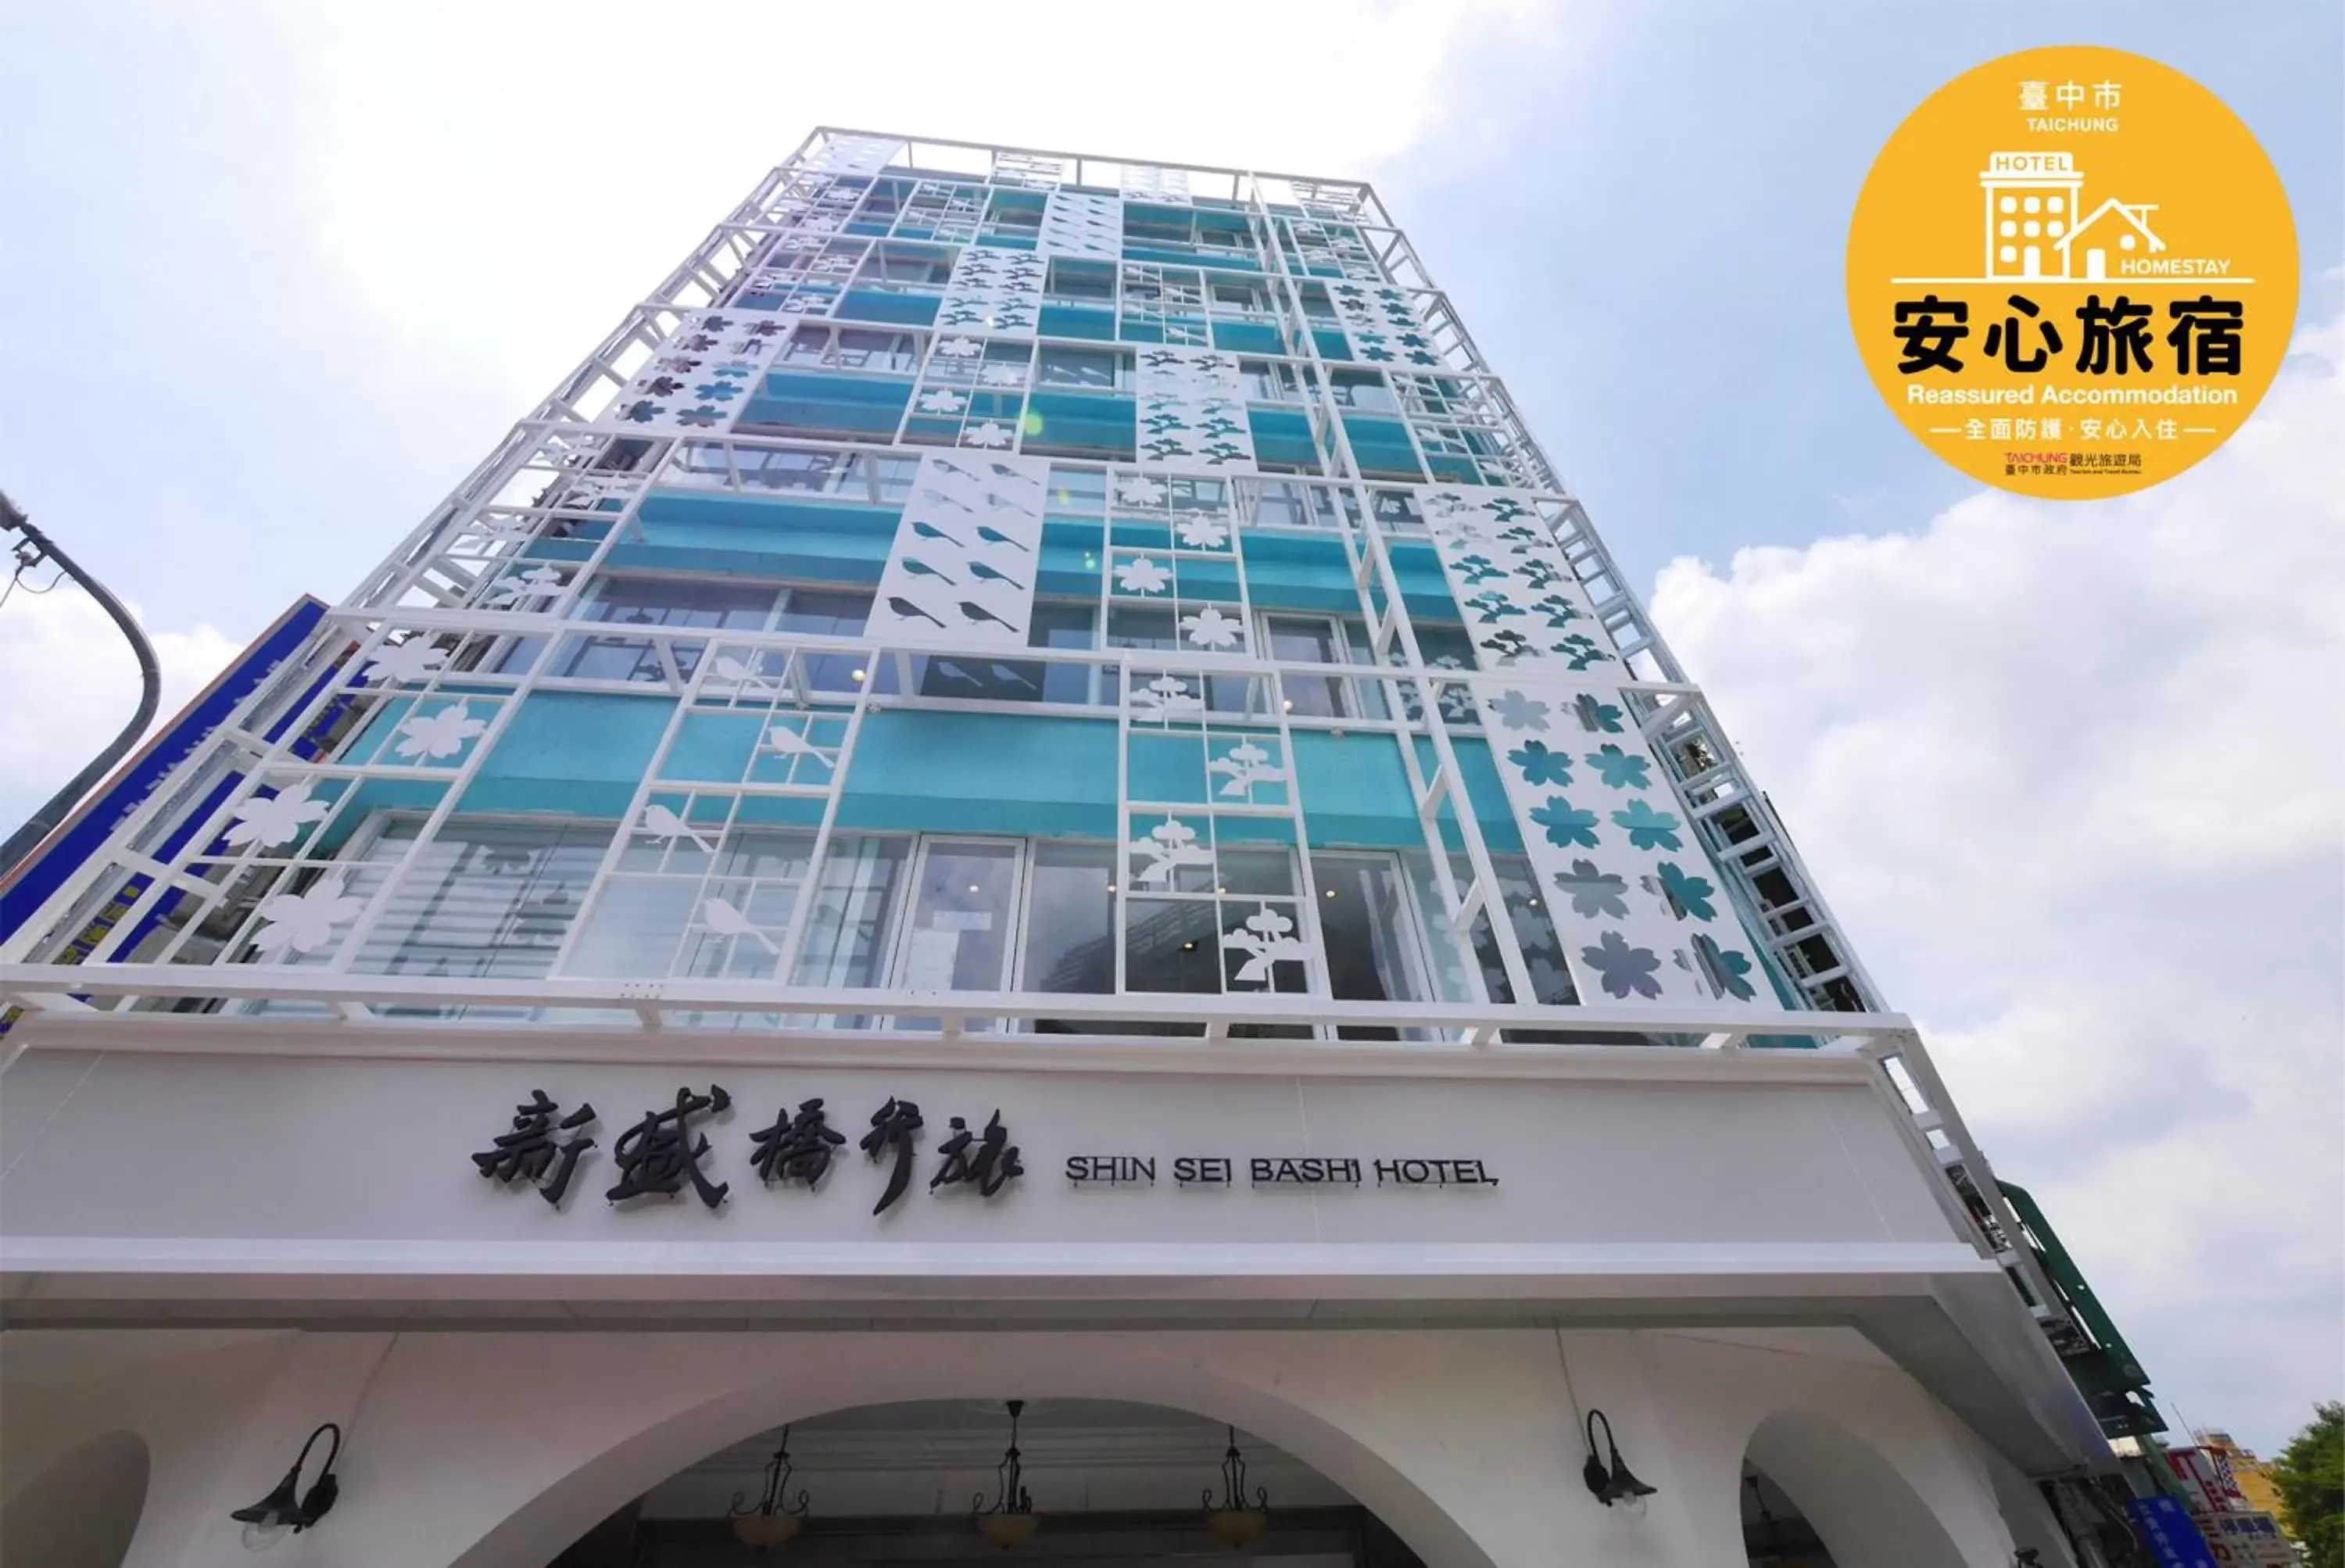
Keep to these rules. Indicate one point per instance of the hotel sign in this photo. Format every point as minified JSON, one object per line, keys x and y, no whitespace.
{"x":666,"y":1152}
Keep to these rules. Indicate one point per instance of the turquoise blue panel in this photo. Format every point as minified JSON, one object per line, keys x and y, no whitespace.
{"x":1076,"y":424}
{"x":1423,"y":584}
{"x":1071,"y":560}
{"x":1382,"y":448}
{"x":983,"y":773}
{"x":578,"y":753}
{"x":761,"y":536}
{"x":896,"y":310}
{"x":1355,"y":791}
{"x":381,"y":795}
{"x":839,"y":406}
{"x":1333,"y":343}
{"x":1283,"y":437}
{"x":713,"y":747}
{"x":1167,"y":767}
{"x":1077,"y":322}
{"x":1247,"y":338}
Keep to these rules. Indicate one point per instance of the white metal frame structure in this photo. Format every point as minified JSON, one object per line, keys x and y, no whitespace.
{"x":237,"y":888}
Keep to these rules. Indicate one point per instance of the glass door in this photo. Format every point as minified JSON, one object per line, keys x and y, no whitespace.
{"x":964,"y":902}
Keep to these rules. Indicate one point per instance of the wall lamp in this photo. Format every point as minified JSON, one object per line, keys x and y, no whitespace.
{"x":286,"y":1510}
{"x":1611,"y":1482}
{"x":1011,"y":1521}
{"x":777,"y":1515}
{"x":1237,"y":1520}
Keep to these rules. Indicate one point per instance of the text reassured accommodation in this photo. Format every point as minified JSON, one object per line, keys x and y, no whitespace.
{"x":2059,"y":396}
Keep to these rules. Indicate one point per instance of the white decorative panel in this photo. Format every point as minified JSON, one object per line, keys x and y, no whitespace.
{"x":1028,"y":170}
{"x":1193,"y":414}
{"x":1522,"y":606}
{"x":1143,"y":182}
{"x":1077,"y":223}
{"x":856,"y":154}
{"x":962,"y":568}
{"x":1382,"y":323}
{"x":1621,"y":873}
{"x":993,"y":291}
{"x":704,"y":373}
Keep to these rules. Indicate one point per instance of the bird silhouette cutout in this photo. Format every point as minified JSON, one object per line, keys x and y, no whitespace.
{"x":952,"y":671}
{"x":1007,"y":676}
{"x":951,"y":468}
{"x":972,"y":611}
{"x":662,"y":822}
{"x":996,"y":536}
{"x":790,"y":743}
{"x":909,"y":611}
{"x":1004,"y":470}
{"x":725,"y":920}
{"x":920,"y":568}
{"x":931,"y":531}
{"x":1001,"y":503}
{"x":980,"y":569}
{"x":942,"y":499}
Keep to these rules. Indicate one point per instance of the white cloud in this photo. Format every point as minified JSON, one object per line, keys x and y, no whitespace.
{"x":72,"y":683}
{"x":559,"y":161}
{"x":2070,"y":774}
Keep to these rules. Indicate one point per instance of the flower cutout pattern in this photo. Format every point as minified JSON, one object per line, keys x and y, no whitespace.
{"x":537,"y":582}
{"x":1622,"y":970}
{"x":1203,"y":534}
{"x":306,"y":921}
{"x":942,"y":399}
{"x":1516,"y":710}
{"x":1208,"y":628}
{"x":1142,"y":576}
{"x":417,"y":658}
{"x":1566,"y":824}
{"x":266,"y":822}
{"x":1618,"y":769}
{"x":442,"y":733}
{"x":990,"y":434}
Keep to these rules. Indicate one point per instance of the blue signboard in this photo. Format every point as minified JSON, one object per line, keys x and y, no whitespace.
{"x":85,"y":831}
{"x":2169,"y":1533}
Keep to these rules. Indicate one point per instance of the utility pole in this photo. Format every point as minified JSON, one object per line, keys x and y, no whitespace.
{"x":36,"y":547}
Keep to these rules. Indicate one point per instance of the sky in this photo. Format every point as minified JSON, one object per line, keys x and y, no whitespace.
{"x":272,"y":278}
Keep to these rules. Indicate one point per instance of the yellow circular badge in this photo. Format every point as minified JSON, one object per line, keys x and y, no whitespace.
{"x":2072,"y":272}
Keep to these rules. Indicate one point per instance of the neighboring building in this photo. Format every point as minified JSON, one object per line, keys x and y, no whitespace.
{"x":1025,"y":788}
{"x":2249,"y":1474}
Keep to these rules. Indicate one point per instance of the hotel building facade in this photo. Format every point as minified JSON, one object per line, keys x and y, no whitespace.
{"x":1025,"y":788}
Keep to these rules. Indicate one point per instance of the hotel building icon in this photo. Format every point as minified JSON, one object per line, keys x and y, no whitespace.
{"x":2031,"y":226}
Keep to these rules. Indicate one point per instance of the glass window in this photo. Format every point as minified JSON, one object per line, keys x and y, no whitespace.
{"x":828,"y":612}
{"x":1306,"y":639}
{"x":642,"y":601}
{"x":959,"y":936}
{"x":1101,"y":370}
{"x":484,"y":900}
{"x":656,"y":914}
{"x":1063,"y":625}
{"x":851,"y":927}
{"x":1368,"y":933}
{"x":1070,"y":940}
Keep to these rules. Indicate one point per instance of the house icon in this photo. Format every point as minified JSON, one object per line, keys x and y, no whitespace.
{"x":2132,"y":234}
{"x":2032,"y":206}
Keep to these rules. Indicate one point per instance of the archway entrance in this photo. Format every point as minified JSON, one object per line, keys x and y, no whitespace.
{"x":1110,"y":1483}
{"x":82,"y":1510}
{"x":1816,"y":1495}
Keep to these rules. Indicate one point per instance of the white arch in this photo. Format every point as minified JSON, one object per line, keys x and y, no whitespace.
{"x":82,"y":1509}
{"x":1867,"y":1513}
{"x":789,"y":1389}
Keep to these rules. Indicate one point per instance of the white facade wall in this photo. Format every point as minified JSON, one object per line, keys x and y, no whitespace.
{"x":496,"y":1450}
